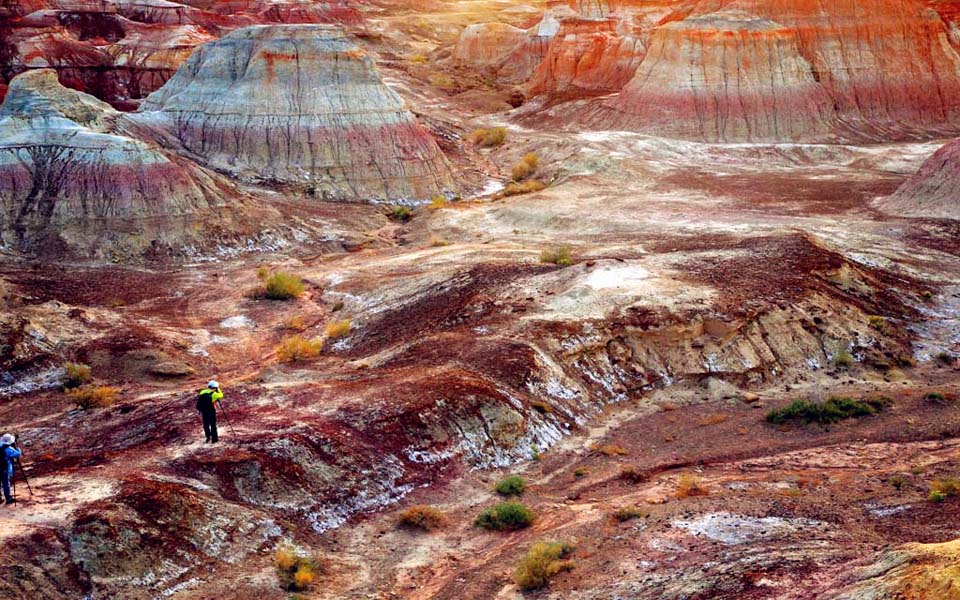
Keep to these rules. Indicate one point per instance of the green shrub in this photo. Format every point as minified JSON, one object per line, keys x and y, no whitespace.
{"x":580,"y":473}
{"x":77,"y":375}
{"x":843,"y":359}
{"x":832,"y":410}
{"x":898,"y":481}
{"x":632,"y":474}
{"x":400,"y":212}
{"x":283,"y":286}
{"x":543,"y":561}
{"x":627,"y":513}
{"x":947,"y":486}
{"x":505,"y":516}
{"x":560,"y":256}
{"x":937,"y":397}
{"x":877,"y":322}
{"x":488,"y":138}
{"x":936,"y":496}
{"x":511,"y":486}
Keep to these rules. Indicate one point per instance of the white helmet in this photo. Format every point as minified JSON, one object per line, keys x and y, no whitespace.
{"x":213,"y":384}
{"x":7,"y":439}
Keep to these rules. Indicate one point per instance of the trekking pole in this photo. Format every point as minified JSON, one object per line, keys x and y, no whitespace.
{"x":24,"y":475}
{"x":226,"y":418}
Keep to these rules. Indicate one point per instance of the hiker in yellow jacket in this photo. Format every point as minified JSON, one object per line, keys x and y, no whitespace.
{"x":206,"y":404}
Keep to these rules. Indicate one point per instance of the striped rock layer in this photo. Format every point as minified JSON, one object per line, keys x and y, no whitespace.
{"x":299,"y":105}
{"x":69,"y":174}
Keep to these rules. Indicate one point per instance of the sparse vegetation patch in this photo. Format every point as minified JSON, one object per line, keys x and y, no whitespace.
{"x":689,"y":485}
{"x":560,"y":256}
{"x":297,"y":348}
{"x":524,"y":187}
{"x":281,"y":285}
{"x":526,"y":167}
{"x":338,"y":329}
{"x":76,"y":375}
{"x":422,"y":517}
{"x":627,"y":513}
{"x":489,"y":138}
{"x":505,"y":516}
{"x":834,"y":409}
{"x":295,"y":572}
{"x":93,"y":396}
{"x":511,"y":486}
{"x":543,"y":561}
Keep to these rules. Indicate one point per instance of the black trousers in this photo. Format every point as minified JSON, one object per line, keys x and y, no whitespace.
{"x":210,"y":426}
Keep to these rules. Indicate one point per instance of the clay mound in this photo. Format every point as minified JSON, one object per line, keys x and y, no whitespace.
{"x":299,"y":105}
{"x":508,"y":53}
{"x":934,"y":192}
{"x":587,"y":56}
{"x":70,"y":177}
{"x":724,"y":77}
{"x":742,"y":70}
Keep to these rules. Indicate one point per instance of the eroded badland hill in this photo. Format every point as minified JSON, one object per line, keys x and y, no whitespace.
{"x":682,"y":278}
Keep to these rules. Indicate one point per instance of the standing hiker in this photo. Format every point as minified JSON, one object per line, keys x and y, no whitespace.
{"x":206,"y":405}
{"x":8,"y":454}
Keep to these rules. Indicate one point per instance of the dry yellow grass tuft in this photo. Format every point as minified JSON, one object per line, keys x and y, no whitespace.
{"x":94,"y":396}
{"x":296,"y":348}
{"x":437,"y":202}
{"x":77,"y":374}
{"x":295,"y":571}
{"x":488,"y":138}
{"x":526,"y":167}
{"x":543,"y":561}
{"x":338,"y":329}
{"x":689,"y":485}
{"x":525,"y":187}
{"x":423,"y":517}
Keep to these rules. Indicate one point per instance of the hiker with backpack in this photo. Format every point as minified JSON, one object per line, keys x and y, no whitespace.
{"x":9,"y":453}
{"x":206,"y":404}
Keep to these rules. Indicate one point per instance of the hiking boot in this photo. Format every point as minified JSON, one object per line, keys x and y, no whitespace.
{"x":11,"y":501}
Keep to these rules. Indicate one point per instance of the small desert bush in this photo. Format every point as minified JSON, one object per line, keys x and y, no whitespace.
{"x":296,"y":348}
{"x":76,"y":375}
{"x":437,"y":202}
{"x":422,"y":517}
{"x":627,"y":513}
{"x":877,"y":322}
{"x":941,"y":489}
{"x":295,"y":323}
{"x":936,"y":397}
{"x":511,"y":486}
{"x":612,"y":450}
{"x":945,"y":358}
{"x":632,"y":474}
{"x":505,"y":516}
{"x":399,"y":212}
{"x":263,"y":271}
{"x":689,"y":485}
{"x":834,"y":409}
{"x":560,"y":256}
{"x":898,"y":481}
{"x":543,"y":561}
{"x":580,"y":473}
{"x":282,"y":286}
{"x":295,"y":572}
{"x":93,"y":396}
{"x":526,"y":167}
{"x":488,"y":138}
{"x":338,"y":329}
{"x":437,"y":242}
{"x":843,"y":359}
{"x":524,"y":187}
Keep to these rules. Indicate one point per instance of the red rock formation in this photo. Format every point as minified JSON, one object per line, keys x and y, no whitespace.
{"x":934,"y":192}
{"x":300,"y":105}
{"x":69,"y":174}
{"x":587,"y":56}
{"x":723,"y":77}
{"x":885,"y":66}
{"x":121,"y":50}
{"x":508,"y":53}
